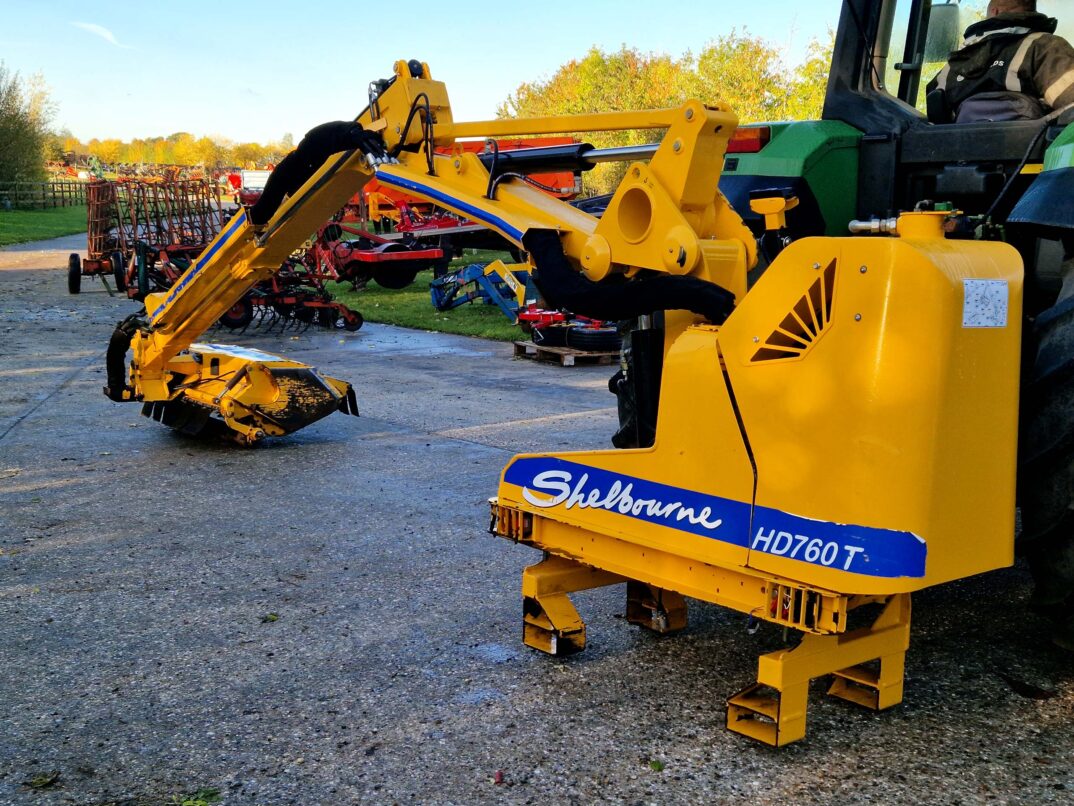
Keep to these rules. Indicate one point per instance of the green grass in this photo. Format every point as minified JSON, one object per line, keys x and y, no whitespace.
{"x":20,"y":226}
{"x":412,"y":307}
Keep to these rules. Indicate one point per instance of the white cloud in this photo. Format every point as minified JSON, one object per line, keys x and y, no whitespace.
{"x":102,"y":32}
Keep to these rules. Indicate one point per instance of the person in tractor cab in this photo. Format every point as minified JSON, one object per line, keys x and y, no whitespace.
{"x":1011,"y":66}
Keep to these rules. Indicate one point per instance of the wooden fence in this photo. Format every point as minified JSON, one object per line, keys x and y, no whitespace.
{"x":40,"y":195}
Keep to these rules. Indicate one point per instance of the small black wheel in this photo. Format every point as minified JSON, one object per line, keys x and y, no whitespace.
{"x":74,"y":273}
{"x":352,"y":321}
{"x":238,"y":315}
{"x":594,"y":339}
{"x":141,"y":262}
{"x":394,"y":279}
{"x":119,"y":271}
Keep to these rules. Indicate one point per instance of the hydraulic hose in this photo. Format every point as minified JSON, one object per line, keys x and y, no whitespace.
{"x":563,"y":287}
{"x":115,"y":361}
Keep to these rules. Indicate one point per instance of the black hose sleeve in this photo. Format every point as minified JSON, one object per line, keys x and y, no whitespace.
{"x":563,"y":287}
{"x":296,"y":168}
{"x":115,"y":360}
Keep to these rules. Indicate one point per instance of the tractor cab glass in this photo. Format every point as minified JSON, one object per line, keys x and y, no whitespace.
{"x":914,"y":39}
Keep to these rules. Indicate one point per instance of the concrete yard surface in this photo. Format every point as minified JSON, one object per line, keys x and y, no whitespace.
{"x":325,"y":620}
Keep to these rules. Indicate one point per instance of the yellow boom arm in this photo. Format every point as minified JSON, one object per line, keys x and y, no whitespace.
{"x":667,"y":217}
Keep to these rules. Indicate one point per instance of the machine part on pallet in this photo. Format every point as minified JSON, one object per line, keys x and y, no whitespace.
{"x":595,"y":338}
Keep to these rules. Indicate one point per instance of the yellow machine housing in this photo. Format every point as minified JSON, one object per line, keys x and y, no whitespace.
{"x":845,"y":437}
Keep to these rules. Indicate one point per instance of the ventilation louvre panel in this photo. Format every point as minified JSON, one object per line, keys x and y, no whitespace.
{"x":803,"y":324}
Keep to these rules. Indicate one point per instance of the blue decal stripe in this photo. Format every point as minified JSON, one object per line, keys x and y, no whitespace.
{"x":549,"y":483}
{"x":593,"y":488}
{"x":841,"y":547}
{"x":200,"y":263}
{"x":451,"y":201}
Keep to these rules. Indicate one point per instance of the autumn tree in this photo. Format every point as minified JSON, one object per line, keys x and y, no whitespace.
{"x":745,"y":71}
{"x":25,"y":110}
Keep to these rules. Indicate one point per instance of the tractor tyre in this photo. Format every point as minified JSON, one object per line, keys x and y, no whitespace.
{"x":1046,"y":475}
{"x":74,"y":273}
{"x":594,"y":339}
{"x":394,"y":279}
{"x":239,"y":315}
{"x":119,"y":271}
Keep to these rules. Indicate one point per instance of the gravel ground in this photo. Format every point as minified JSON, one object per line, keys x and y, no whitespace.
{"x":323,"y":620}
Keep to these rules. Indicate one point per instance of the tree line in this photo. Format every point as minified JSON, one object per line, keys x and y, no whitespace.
{"x":745,"y":71}
{"x":180,"y":148}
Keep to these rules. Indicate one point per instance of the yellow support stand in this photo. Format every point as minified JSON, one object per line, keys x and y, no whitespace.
{"x":773,"y":710}
{"x":549,"y":621}
{"x":661,"y":611}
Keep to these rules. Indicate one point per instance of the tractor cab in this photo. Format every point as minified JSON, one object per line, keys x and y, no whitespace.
{"x":874,"y":152}
{"x":885,"y":54}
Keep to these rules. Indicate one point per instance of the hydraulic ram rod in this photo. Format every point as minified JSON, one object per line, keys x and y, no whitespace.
{"x":578,"y":157}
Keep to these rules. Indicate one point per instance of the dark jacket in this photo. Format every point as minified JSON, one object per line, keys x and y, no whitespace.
{"x":1005,"y":56}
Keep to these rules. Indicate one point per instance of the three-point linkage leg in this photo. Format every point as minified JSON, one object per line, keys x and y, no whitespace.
{"x":773,"y":710}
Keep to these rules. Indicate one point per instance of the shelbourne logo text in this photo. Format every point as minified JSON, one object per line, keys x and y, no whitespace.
{"x":619,"y":498}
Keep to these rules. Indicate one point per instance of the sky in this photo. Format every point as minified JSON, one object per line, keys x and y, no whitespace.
{"x":249,"y":70}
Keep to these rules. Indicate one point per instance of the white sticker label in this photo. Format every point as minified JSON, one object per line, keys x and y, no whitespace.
{"x":984,"y":303}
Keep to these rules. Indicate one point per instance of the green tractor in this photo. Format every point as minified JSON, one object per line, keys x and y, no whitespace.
{"x":873,"y":154}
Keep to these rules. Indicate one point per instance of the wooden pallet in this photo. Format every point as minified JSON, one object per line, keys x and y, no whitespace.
{"x":564,"y":356}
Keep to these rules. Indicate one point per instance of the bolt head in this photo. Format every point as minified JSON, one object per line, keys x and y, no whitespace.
{"x":816,"y":266}
{"x":863,"y":269}
{"x":689,"y":114}
{"x":857,"y":317}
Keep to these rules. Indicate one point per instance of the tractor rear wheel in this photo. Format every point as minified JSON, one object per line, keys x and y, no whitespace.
{"x":1046,"y":475}
{"x":74,"y":273}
